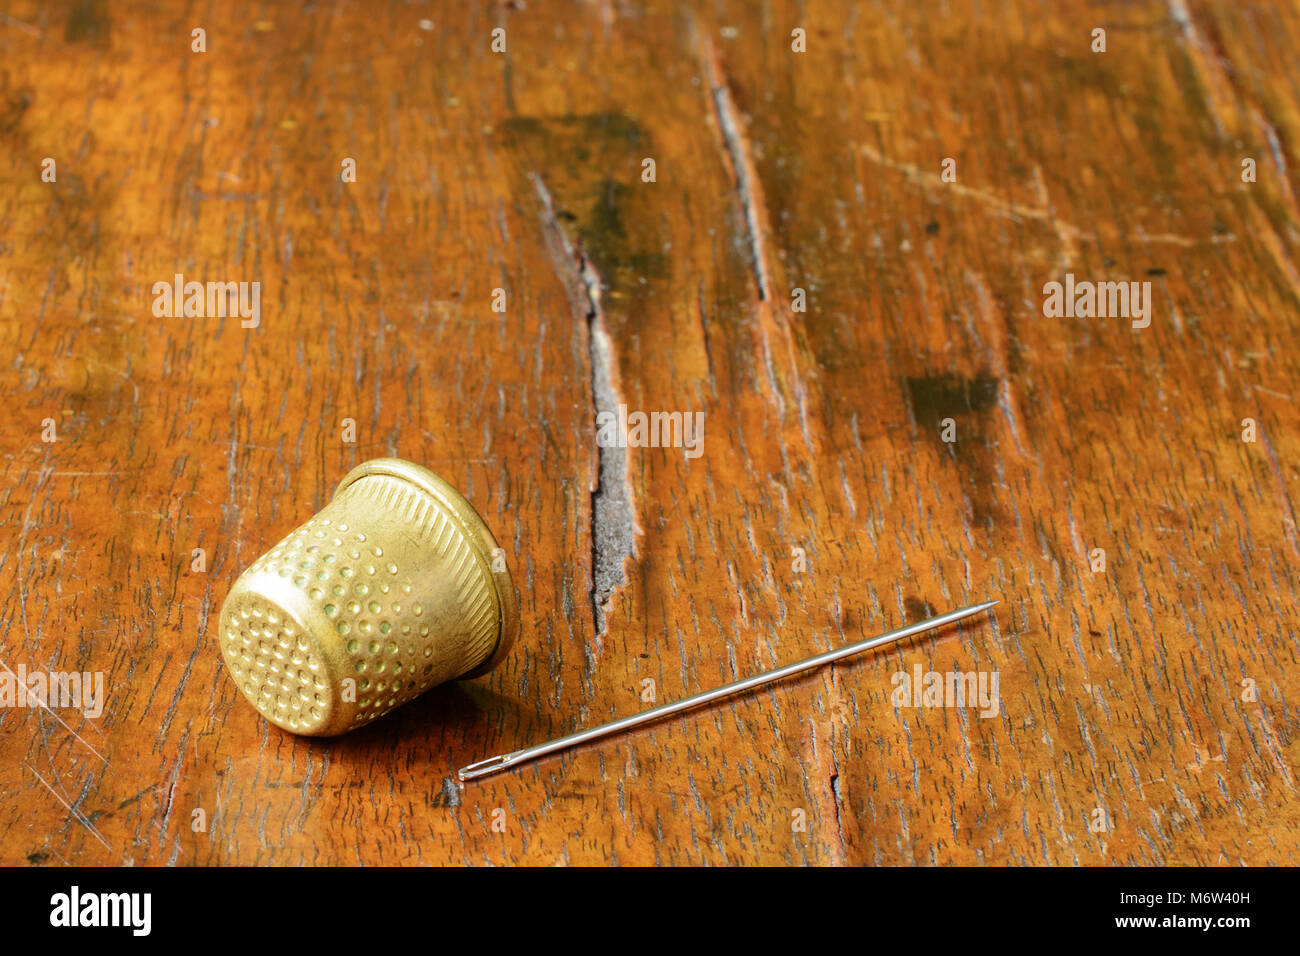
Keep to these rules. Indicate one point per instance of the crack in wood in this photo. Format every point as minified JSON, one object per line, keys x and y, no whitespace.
{"x":612,"y":516}
{"x":742,"y":165}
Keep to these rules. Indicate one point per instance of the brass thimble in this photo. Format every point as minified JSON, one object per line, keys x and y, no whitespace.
{"x":396,"y":585}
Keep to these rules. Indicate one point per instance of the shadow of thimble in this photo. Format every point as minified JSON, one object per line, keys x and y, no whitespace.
{"x":393,"y":587}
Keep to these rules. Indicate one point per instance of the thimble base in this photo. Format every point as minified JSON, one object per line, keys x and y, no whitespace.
{"x":276,"y":662}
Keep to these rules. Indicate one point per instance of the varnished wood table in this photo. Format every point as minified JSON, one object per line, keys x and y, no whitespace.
{"x":830,"y":228}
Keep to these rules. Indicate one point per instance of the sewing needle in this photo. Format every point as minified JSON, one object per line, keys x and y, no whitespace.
{"x":500,"y":762}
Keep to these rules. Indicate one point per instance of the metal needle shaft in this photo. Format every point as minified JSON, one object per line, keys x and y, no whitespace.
{"x":502,"y":761}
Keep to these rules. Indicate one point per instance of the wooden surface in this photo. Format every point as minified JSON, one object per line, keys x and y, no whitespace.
{"x":1120,"y":691}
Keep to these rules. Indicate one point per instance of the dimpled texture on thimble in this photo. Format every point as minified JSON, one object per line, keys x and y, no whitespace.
{"x":273,"y":663}
{"x":382,"y":589}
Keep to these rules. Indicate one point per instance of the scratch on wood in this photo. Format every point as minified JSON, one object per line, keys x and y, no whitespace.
{"x":1067,"y":233}
{"x":75,"y":815}
{"x":60,"y":720}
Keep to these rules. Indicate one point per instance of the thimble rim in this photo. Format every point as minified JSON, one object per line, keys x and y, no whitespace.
{"x":476,"y":532}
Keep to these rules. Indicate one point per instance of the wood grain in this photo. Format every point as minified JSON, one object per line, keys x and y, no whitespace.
{"x":1121,"y":691}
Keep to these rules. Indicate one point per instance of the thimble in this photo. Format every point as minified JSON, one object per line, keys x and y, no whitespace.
{"x":393,"y":587}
